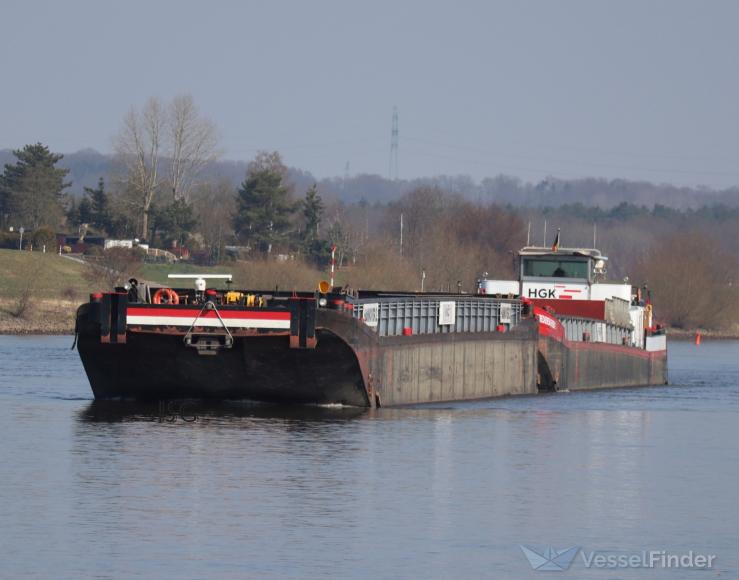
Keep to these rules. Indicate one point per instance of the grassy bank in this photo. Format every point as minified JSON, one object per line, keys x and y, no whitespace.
{"x":39,"y":293}
{"x":47,"y":274}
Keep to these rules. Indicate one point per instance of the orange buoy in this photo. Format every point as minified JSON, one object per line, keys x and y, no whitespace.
{"x":697,"y":338}
{"x":165,"y":296}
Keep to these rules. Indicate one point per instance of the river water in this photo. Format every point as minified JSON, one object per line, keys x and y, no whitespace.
{"x":444,"y":491}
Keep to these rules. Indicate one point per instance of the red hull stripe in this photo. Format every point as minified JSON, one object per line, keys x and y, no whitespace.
{"x":193,"y":312}
{"x":569,"y":307}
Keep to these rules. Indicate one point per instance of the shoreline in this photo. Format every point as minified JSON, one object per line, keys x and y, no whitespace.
{"x":42,"y":317}
{"x":57,"y":317}
{"x":37,"y":332}
{"x":685,"y":335}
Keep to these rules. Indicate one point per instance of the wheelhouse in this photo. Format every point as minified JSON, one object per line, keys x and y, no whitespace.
{"x":566,"y":264}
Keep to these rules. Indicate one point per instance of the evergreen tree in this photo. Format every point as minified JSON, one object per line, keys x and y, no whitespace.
{"x":73,"y":212}
{"x":263,"y":208}
{"x":84,"y":212}
{"x":313,"y":213}
{"x":315,"y":249}
{"x":99,"y":206}
{"x":32,"y":189}
{"x":174,"y":222}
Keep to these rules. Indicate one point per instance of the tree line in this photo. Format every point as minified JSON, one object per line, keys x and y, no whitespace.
{"x":434,"y":236}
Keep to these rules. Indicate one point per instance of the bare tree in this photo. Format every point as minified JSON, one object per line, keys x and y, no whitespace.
{"x":192,"y":142}
{"x":692,"y":279}
{"x":175,"y":135}
{"x":138,"y":147}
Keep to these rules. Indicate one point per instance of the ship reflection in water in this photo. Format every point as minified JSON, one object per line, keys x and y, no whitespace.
{"x":192,"y":411}
{"x":238,"y":490}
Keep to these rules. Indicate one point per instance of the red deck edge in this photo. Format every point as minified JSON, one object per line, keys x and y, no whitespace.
{"x":551,"y":327}
{"x":225,"y":314}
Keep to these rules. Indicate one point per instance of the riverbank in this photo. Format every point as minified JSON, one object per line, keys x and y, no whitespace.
{"x":40,"y":293}
{"x":56,"y":316}
{"x":49,"y":316}
{"x":689,"y":334}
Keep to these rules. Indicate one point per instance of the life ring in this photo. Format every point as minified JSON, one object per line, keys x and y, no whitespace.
{"x":166,"y":296}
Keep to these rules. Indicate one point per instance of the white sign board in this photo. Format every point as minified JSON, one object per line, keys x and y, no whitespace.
{"x":599,"y":332}
{"x":447,"y":313}
{"x":370,"y":313}
{"x":555,"y":291}
{"x":506,"y":312}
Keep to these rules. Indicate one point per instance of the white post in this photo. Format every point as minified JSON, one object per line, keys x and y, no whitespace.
{"x":545,"y":233}
{"x":333,"y":265}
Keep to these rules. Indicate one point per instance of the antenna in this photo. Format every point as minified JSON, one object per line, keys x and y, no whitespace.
{"x":393,"y":170}
{"x":595,"y":230}
{"x":544,"y":245}
{"x":528,"y":235}
{"x":401,"y":233}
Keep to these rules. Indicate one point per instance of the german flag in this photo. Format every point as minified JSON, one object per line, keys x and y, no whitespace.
{"x":555,"y":245}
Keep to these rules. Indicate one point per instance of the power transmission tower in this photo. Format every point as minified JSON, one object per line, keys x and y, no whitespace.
{"x":393,"y":172}
{"x":346,"y":177}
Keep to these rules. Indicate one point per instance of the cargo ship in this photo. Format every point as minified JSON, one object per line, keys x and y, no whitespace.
{"x":559,"y":326}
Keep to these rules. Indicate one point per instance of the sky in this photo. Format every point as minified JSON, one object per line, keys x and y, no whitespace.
{"x":643,"y":89}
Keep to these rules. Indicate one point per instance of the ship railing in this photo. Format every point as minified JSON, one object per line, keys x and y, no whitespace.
{"x":438,"y":315}
{"x":588,"y":330}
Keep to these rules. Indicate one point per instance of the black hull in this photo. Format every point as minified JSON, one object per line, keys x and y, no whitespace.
{"x":338,"y":359}
{"x":260,"y":368}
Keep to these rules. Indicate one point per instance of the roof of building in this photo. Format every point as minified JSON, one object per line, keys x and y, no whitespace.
{"x":544,"y":251}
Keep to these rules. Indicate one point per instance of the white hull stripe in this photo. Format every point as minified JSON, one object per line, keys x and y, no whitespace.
{"x":210,"y":322}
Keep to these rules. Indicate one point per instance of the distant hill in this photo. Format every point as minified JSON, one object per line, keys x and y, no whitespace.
{"x":87,"y":166}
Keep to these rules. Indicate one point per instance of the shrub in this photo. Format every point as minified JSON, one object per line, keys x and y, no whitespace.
{"x":26,"y":293}
{"x":114,"y":267}
{"x":44,"y":236}
{"x":69,"y":293}
{"x":9,"y":240}
{"x":268,"y":274}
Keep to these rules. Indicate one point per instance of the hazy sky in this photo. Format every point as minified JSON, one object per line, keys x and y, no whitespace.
{"x":637,"y":89}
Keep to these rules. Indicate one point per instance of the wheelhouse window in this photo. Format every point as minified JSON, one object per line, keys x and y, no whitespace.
{"x":555,"y":268}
